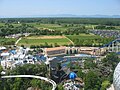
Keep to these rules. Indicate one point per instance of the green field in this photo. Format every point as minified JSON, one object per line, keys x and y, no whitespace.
{"x":15,"y":25}
{"x":89,"y":40}
{"x":7,"y":41}
{"x":48,"y":26}
{"x":39,"y":26}
{"x":83,"y":36}
{"x":32,"y":41}
{"x":2,"y":24}
{"x":61,"y":27}
{"x":44,"y":25}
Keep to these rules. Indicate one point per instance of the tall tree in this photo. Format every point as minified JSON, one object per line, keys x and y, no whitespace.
{"x":92,"y":81}
{"x":1,"y":68}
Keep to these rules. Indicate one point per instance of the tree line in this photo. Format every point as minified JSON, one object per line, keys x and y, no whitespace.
{"x":93,"y":21}
{"x":9,"y":29}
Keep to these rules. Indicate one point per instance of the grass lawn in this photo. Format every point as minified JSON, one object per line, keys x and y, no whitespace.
{"x":117,"y":27}
{"x":2,"y":24}
{"x":36,"y":40}
{"x":49,"y":26}
{"x":89,"y":39}
{"x":4,"y":41}
{"x":15,"y":25}
{"x":83,"y":36}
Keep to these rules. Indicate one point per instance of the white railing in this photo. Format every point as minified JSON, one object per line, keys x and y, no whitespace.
{"x":33,"y":76}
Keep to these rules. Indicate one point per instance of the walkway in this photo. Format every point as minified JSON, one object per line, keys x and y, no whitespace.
{"x":32,"y":76}
{"x":69,"y":40}
{"x":17,"y":41}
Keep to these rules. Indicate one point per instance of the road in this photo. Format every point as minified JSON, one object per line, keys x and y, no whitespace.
{"x":33,"y":76}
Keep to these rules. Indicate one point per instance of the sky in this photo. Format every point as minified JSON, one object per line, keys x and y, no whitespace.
{"x":12,"y":8}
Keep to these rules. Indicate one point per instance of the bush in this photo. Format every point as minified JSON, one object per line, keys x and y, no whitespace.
{"x":105,"y":84}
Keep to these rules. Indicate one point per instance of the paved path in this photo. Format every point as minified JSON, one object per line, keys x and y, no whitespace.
{"x":69,"y":40}
{"x":32,"y":76}
{"x":17,"y":41}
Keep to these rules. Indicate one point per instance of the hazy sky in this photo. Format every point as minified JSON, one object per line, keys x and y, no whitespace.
{"x":53,"y":7}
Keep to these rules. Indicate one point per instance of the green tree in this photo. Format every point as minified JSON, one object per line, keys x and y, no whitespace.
{"x":89,"y":64}
{"x":80,"y":74}
{"x":111,"y":60}
{"x":17,"y":84}
{"x":35,"y":83}
{"x":46,"y":44}
{"x":0,"y":76}
{"x":1,"y":68}
{"x":24,"y":83}
{"x":30,"y":69}
{"x":105,"y":84}
{"x":92,"y":81}
{"x":60,"y":87}
{"x":56,"y":45}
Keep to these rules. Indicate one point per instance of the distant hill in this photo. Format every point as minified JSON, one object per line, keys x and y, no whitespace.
{"x":64,"y":15}
{"x":85,"y":16}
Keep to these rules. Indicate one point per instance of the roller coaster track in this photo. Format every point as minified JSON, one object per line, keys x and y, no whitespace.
{"x":112,"y":46}
{"x":118,"y":39}
{"x":32,"y":76}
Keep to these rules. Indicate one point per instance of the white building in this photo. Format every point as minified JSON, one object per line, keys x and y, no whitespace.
{"x":10,"y":60}
{"x":116,"y":77}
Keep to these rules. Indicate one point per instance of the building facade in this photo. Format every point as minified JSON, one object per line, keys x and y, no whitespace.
{"x":55,"y":51}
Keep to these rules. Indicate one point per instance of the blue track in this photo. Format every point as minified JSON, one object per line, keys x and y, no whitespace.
{"x":106,"y":45}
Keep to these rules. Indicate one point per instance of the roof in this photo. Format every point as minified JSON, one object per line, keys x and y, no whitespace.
{"x":88,"y":48}
{"x":55,"y":48}
{"x":1,"y":48}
